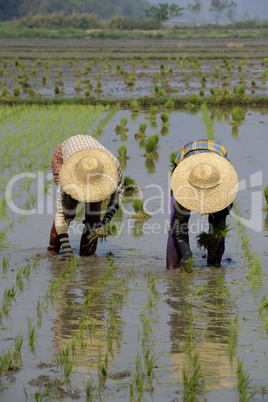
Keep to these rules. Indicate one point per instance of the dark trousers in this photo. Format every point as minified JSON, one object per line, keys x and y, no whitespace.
{"x":179,"y":224}
{"x":88,"y":245}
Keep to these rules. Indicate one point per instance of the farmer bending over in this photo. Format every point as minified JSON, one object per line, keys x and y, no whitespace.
{"x":204,"y":181}
{"x":84,"y":171}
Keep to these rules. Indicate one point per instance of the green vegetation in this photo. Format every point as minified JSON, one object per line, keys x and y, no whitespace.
{"x":139,"y":215}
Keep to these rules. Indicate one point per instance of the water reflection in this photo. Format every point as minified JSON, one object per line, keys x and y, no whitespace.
{"x":203,"y":314}
{"x":84,"y":327}
{"x":150,"y":166}
{"x":164,"y":131}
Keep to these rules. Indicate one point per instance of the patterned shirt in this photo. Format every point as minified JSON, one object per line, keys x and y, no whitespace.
{"x":201,"y":146}
{"x":70,"y":146}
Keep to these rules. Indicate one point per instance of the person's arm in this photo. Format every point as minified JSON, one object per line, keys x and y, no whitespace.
{"x":61,"y":226}
{"x":113,"y":206}
{"x":56,"y":163}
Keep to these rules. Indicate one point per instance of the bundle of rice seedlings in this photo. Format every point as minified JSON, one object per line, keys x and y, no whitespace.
{"x":122,"y":151}
{"x":151,"y":146}
{"x":210,"y":241}
{"x":141,"y":133}
{"x":139,"y":215}
{"x":109,"y":230}
{"x":134,"y":106}
{"x":129,"y":184}
{"x":122,"y":127}
{"x":152,"y":114}
{"x":164,"y":117}
{"x":172,"y":157}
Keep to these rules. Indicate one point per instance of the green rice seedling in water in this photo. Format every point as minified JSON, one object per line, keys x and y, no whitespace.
{"x":164,"y":117}
{"x":139,"y":215}
{"x":243,"y":382}
{"x":172,"y":158}
{"x":122,"y":151}
{"x":18,"y":345}
{"x":134,"y":106}
{"x":192,"y":379}
{"x":193,"y":99}
{"x":169,"y":104}
{"x":201,"y":92}
{"x":19,"y":280}
{"x":151,"y":144}
{"x":141,"y":133}
{"x":130,"y":185}
{"x":31,"y":332}
{"x":16,"y":91}
{"x":213,"y":91}
{"x":4,"y":91}
{"x":5,"y":262}
{"x":44,"y":80}
{"x":5,"y":362}
{"x":233,"y":337}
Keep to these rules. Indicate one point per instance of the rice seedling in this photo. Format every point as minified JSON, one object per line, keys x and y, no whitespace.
{"x":164,"y":117}
{"x":172,"y":158}
{"x":237,"y":115}
{"x":192,"y":377}
{"x":201,"y":92}
{"x":16,"y":91}
{"x":169,"y":104}
{"x":5,"y":362}
{"x":5,"y":262}
{"x":31,"y":333}
{"x":153,"y":111}
{"x":211,"y":241}
{"x":139,"y":215}
{"x":19,"y":281}
{"x":18,"y":345}
{"x":233,"y":337}
{"x":130,"y":185}
{"x":265,"y":192}
{"x":122,"y":151}
{"x":4,"y":91}
{"x":134,"y":106}
{"x":122,"y":128}
{"x":243,"y":379}
{"x":151,"y":146}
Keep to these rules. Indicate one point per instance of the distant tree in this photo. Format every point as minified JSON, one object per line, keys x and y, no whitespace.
{"x":163,"y":11}
{"x":231,"y":11}
{"x":195,"y":8}
{"x":218,"y":7}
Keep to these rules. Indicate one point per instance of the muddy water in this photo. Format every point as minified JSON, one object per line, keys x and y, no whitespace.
{"x":150,"y":309}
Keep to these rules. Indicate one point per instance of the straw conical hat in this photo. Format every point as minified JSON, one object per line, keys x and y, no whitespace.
{"x":205,"y":183}
{"x":89,"y":175}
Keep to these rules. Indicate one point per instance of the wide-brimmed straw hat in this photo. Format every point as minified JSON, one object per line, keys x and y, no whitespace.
{"x":89,"y":175}
{"x":205,"y":183}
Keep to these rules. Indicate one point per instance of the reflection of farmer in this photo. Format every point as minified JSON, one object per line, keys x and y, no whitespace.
{"x":84,"y":171}
{"x":203,"y":181}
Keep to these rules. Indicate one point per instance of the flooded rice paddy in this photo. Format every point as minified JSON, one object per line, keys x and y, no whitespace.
{"x":118,"y":325}
{"x":116,"y":69}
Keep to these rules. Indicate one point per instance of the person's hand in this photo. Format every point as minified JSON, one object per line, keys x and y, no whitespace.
{"x":98,"y":229}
